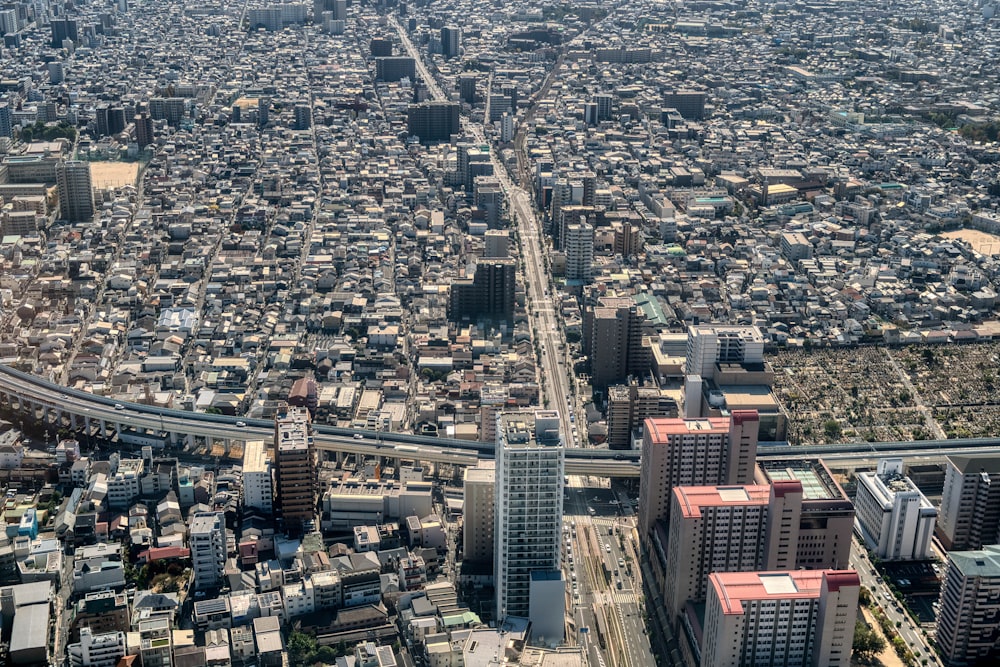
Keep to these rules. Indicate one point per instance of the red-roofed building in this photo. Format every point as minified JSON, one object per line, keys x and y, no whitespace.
{"x":162,"y":553}
{"x":798,"y":617}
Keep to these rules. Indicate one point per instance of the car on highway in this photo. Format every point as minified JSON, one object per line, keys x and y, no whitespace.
{"x":607,"y":548}
{"x":241,"y":424}
{"x":358,"y":436}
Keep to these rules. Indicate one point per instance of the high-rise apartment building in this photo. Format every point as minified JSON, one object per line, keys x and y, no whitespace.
{"x":970,"y":502}
{"x":478,"y":517}
{"x":497,"y":244}
{"x":690,"y":103}
{"x":394,"y":68}
{"x":295,"y":468}
{"x":711,"y":345}
{"x":433,"y":121}
{"x":488,"y":295}
{"x":629,"y":406}
{"x":467,"y":88}
{"x":143,"y":129}
{"x":724,"y":529}
{"x":827,"y":520}
{"x":692,"y":452}
{"x":258,"y":492}
{"x":578,"y":245}
{"x":896,"y":519}
{"x":208,"y":549}
{"x":76,"y":191}
{"x":451,"y":41}
{"x":780,"y":618}
{"x":969,"y":612}
{"x":613,"y":333}
{"x":530,"y":463}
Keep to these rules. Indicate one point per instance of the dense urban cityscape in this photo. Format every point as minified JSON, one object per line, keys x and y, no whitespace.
{"x":432,"y":334}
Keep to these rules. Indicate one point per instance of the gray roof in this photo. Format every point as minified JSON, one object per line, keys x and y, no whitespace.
{"x":983,"y":562}
{"x":31,"y":628}
{"x":974,"y":463}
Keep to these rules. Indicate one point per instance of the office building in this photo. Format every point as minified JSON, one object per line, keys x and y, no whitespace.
{"x":967,"y":624}
{"x":62,"y":30}
{"x":478,"y":517}
{"x":579,"y":247}
{"x":497,"y":244}
{"x":710,"y":346}
{"x":612,"y":331}
{"x":380,"y":47}
{"x":896,"y":520}
{"x":489,"y":295}
{"x":257,"y":488}
{"x":629,"y":406}
{"x":394,"y":68}
{"x":208,"y":550}
{"x":723,"y":529}
{"x":528,"y":505}
{"x":780,"y":618}
{"x":295,"y":468}
{"x":970,"y":502}
{"x":76,"y":192}
{"x":451,"y":41}
{"x":156,"y":644}
{"x":827,"y":520}
{"x":692,"y":452}
{"x":97,"y":650}
{"x":433,"y":121}
{"x":689,"y":103}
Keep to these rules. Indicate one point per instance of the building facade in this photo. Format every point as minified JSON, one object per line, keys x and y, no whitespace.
{"x":780,"y":618}
{"x":970,"y":502}
{"x":257,"y":488}
{"x":208,"y":549}
{"x":967,"y":628}
{"x":530,"y":463}
{"x":692,"y":452}
{"x":896,"y":520}
{"x":478,"y":516}
{"x":295,"y":470}
{"x":76,"y":191}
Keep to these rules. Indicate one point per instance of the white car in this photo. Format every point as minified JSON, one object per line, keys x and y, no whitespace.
{"x":358,"y":436}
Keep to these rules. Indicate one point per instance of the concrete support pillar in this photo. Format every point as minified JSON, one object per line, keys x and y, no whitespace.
{"x":104,"y":428}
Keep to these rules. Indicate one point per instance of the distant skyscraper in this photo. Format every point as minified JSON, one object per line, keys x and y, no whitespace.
{"x":295,"y":468}
{"x":970,"y":502}
{"x":529,"y":504}
{"x":451,"y":41}
{"x":76,"y":192}
{"x":780,"y":618}
{"x":692,"y":452}
{"x":63,"y":29}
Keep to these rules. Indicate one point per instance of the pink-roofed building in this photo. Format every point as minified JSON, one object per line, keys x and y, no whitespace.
{"x":797,"y":617}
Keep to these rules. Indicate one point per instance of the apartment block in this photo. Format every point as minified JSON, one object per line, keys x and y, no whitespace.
{"x":779,"y":618}
{"x":629,"y":406}
{"x":827,"y":520}
{"x":208,"y":549}
{"x":692,"y":452}
{"x":478,"y":516}
{"x":970,"y":502}
{"x":257,"y":487}
{"x":724,"y":529}
{"x":896,"y":520}
{"x":530,"y":464}
{"x":295,"y":469}
{"x":97,"y":650}
{"x":969,"y":610}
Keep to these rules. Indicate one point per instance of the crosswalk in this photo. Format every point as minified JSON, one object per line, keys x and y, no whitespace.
{"x":625,"y":597}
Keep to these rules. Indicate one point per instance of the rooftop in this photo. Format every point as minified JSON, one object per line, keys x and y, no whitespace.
{"x":817,"y":482}
{"x":692,"y":499}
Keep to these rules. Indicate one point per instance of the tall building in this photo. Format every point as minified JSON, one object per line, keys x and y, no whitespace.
{"x":76,"y":191}
{"x":433,"y":121}
{"x":208,"y":550}
{"x":579,"y":248}
{"x":724,"y":529}
{"x":451,"y":41}
{"x":827,"y":521}
{"x":380,"y":47}
{"x":613,"y":338}
{"x":63,"y":29}
{"x":629,"y":406}
{"x":690,"y":103}
{"x":896,"y":520}
{"x":295,"y":468}
{"x":394,"y":68}
{"x":488,"y":295}
{"x":780,"y":618}
{"x":6,"y":121}
{"x":497,"y":244}
{"x":257,"y":489}
{"x":467,"y":88}
{"x":970,"y":502}
{"x":530,"y":463}
{"x":478,"y":517}
{"x":143,"y":129}
{"x":692,"y":452}
{"x":156,"y":644}
{"x":303,"y":116}
{"x":712,"y":345}
{"x":97,"y":650}
{"x":967,"y":628}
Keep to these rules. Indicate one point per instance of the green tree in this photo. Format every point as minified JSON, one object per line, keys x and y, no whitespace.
{"x":832,"y":429}
{"x":301,"y":648}
{"x":867,"y":642}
